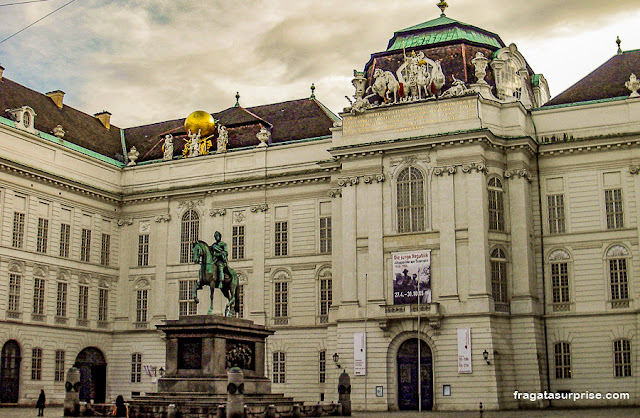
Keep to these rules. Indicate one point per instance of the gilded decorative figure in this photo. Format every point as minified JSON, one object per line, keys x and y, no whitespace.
{"x":216,"y":273}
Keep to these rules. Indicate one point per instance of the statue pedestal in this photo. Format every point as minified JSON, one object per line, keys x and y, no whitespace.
{"x":200,"y":347}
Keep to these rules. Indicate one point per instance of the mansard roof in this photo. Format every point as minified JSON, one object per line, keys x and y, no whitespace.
{"x":605,"y":82}
{"x":442,"y":31}
{"x":80,"y":128}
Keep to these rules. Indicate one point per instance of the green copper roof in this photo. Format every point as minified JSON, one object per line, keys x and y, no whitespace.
{"x":440,"y":30}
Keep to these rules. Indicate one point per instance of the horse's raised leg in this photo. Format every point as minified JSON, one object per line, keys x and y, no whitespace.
{"x":211,"y":305}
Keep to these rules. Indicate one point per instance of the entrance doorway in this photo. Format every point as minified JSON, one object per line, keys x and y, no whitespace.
{"x":10,"y":372}
{"x":408,"y":398}
{"x":93,"y":375}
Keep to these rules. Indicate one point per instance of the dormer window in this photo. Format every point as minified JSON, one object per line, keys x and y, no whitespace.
{"x":512,"y":75}
{"x":24,"y":117}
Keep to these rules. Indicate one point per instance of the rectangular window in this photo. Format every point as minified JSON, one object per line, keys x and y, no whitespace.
{"x":38,"y":296}
{"x":105,"y":250}
{"x":14,"y":292}
{"x":322,"y":366}
{"x":83,"y":302}
{"x":560,"y":282}
{"x":65,"y":239}
{"x":103,"y":305}
{"x":237,"y":242}
{"x":85,"y":246}
{"x":618,"y":277}
{"x":281,"y":299}
{"x":325,"y":235}
{"x":281,"y":245}
{"x":18,"y":230}
{"x":61,"y":300}
{"x":326,"y":296}
{"x":622,"y":357}
{"x":43,"y":235}
{"x":36,"y":364}
{"x":59,"y":371}
{"x":278,"y":367}
{"x":187,"y":306}
{"x":556,"y":213}
{"x":563,"y":360}
{"x":136,"y":368}
{"x":143,"y":250}
{"x":141,"y":305}
{"x":613,"y":205}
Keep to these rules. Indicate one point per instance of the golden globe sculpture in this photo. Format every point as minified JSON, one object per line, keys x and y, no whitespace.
{"x":200,"y":120}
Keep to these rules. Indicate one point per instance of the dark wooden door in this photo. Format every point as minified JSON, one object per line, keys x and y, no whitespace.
{"x":408,"y":398}
{"x":10,"y":372}
{"x":93,"y":375}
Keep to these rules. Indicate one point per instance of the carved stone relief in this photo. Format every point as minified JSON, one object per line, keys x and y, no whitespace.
{"x":520,"y":173}
{"x":217,"y":212}
{"x":263,"y":207}
{"x":163,"y":218}
{"x":239,"y":216}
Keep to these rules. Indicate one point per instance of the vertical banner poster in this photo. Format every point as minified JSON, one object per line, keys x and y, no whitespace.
{"x":464,"y":350}
{"x":360,"y":353}
{"x":411,"y":277}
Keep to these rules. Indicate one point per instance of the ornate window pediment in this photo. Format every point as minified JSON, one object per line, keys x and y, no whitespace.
{"x":511,"y":75}
{"x":617,"y":251}
{"x":559,"y":255}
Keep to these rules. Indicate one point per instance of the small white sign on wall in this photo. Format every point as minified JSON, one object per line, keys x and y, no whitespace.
{"x":464,"y":350}
{"x":360,"y":353}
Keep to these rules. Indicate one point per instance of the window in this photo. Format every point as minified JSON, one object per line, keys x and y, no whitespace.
{"x":65,"y":239}
{"x":281,"y":293}
{"x":85,"y":246}
{"x":237,"y":242}
{"x":189,"y":233}
{"x":141,"y":305}
{"x":281,"y":241}
{"x":105,"y":250}
{"x":556,"y":213}
{"x":36,"y":364}
{"x":496,"y":204}
{"x":143,"y":250}
{"x":59,"y":371}
{"x":103,"y":305}
{"x":136,"y":368}
{"x":279,"y":367}
{"x":241,"y":301}
{"x":18,"y":230}
{"x":410,"y":200}
{"x":622,"y":358}
{"x":61,"y":300}
{"x":187,"y":306}
{"x":563,"y":360}
{"x":38,"y":296}
{"x":83,"y":302}
{"x":14,"y":292}
{"x":322,"y":366}
{"x":326,"y":294}
{"x":325,"y":235}
{"x":618,"y":279}
{"x":499,"y":278}
{"x":560,"y":282}
{"x":43,"y":235}
{"x":613,"y":206}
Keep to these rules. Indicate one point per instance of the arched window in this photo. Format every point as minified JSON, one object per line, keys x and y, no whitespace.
{"x":410,"y":200}
{"x":325,"y":294}
{"x":622,"y":358}
{"x":496,"y":204}
{"x":559,"y":263}
{"x":189,"y":231}
{"x":281,"y":297}
{"x":617,"y":257}
{"x":499,"y":280}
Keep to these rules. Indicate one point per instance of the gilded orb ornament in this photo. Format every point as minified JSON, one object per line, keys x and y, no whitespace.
{"x":200,"y":120}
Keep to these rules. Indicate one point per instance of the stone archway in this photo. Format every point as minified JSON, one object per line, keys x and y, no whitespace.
{"x":93,"y":375}
{"x":10,"y":372}
{"x":408,"y":381}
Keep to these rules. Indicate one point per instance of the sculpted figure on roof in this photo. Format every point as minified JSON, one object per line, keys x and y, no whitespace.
{"x":167,"y":148}
{"x":223,"y":139}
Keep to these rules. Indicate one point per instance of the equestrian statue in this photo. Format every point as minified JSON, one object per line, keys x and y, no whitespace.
{"x":216,"y":273}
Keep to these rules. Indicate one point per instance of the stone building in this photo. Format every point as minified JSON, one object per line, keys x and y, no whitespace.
{"x":453,"y":203}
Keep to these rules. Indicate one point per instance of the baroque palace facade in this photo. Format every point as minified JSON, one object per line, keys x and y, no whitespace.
{"x":453,"y":203}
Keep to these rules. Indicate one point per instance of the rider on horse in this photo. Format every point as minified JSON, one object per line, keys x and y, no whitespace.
{"x":220,"y":253}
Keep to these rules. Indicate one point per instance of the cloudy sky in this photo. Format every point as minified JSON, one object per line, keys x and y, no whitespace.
{"x":152,"y":60}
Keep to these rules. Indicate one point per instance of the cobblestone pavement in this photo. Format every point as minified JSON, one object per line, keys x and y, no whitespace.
{"x":572,"y":413}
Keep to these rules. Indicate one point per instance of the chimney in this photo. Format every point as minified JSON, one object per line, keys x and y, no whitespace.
{"x":1,"y":71}
{"x":57,"y":97}
{"x":104,"y":117}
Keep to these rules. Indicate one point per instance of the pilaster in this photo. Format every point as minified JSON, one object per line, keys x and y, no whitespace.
{"x":349,"y":251}
{"x":448,"y":285}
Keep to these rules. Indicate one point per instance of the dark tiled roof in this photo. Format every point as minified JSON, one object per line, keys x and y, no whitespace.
{"x":81,"y":129}
{"x":605,"y":82}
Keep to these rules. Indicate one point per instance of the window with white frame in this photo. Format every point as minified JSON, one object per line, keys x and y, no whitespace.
{"x":65,"y":240}
{"x":496,"y":204}
{"x":281,"y":239}
{"x":617,"y":257}
{"x":136,"y":368}
{"x":141,"y":305}
{"x":61,"y":299}
{"x":410,"y":200}
{"x":278,"y":367}
{"x":38,"y":296}
{"x":83,"y":302}
{"x":105,"y":250}
{"x":555,"y":205}
{"x":325,"y":293}
{"x":43,"y":235}
{"x":189,"y":233}
{"x":613,"y":207}
{"x":85,"y":245}
{"x":559,"y":265}
{"x":622,"y":358}
{"x":15,"y":280}
{"x":18,"y":230}
{"x":143,"y":250}
{"x":36,"y":364}
{"x":103,"y":304}
{"x":325,"y":234}
{"x":186,"y":304}
{"x":281,"y":295}
{"x":237,"y":242}
{"x":322,"y":366}
{"x":562,"y":356}
{"x":499,"y":277}
{"x":59,"y":367}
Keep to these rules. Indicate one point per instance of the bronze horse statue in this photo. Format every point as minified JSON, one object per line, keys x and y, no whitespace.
{"x":208,"y":275}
